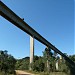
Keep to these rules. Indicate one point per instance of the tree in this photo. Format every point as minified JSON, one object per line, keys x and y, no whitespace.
{"x":23,"y":64}
{"x":7,"y":62}
{"x":70,"y":67}
{"x":48,"y":59}
{"x":38,"y":64}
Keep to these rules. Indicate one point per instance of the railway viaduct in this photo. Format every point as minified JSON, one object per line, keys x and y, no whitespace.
{"x":9,"y":15}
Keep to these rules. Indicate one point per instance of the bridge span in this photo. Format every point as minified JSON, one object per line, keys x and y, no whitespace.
{"x":17,"y":21}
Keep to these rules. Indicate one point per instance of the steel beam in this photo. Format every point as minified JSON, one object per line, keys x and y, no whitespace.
{"x":17,"y":21}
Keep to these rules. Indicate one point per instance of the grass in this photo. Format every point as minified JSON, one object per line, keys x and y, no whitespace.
{"x":53,"y":73}
{"x":3,"y":73}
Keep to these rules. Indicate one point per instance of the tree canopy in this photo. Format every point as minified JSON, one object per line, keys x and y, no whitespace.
{"x":7,"y":63}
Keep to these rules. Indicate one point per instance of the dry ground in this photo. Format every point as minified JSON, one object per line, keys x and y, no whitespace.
{"x":19,"y":72}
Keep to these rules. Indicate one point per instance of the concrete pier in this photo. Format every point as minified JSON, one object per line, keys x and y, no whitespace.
{"x":31,"y":50}
{"x":57,"y":65}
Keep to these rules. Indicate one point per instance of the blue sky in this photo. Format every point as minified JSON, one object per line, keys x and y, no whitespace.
{"x":53,"y":19}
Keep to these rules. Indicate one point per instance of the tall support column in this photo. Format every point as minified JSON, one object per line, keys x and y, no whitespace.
{"x":31,"y":50}
{"x":47,"y":52}
{"x":57,"y":65}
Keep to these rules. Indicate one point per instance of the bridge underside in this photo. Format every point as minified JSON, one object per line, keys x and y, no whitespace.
{"x":17,"y":21}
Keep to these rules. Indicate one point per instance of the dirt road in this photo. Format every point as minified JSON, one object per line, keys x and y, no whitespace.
{"x":19,"y":72}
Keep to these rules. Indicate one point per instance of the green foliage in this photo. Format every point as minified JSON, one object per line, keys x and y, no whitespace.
{"x":7,"y":62}
{"x":48,"y":59}
{"x":71,"y":68}
{"x":63,"y":67}
{"x":72,"y":57}
{"x":22,"y":64}
{"x":38,"y":65}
